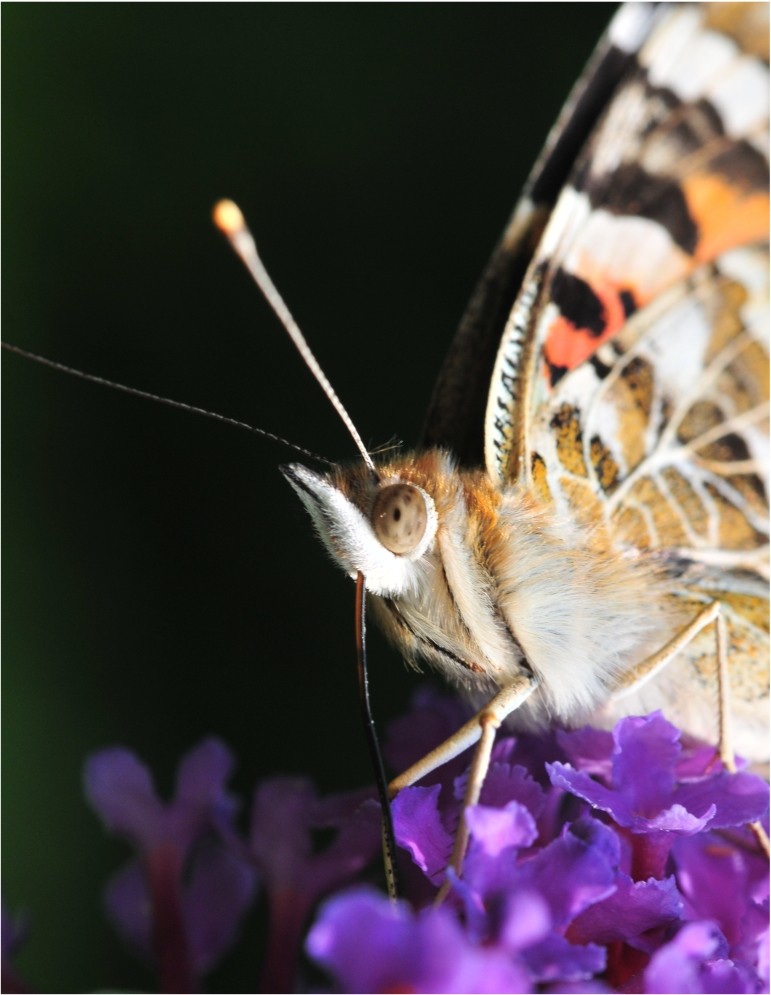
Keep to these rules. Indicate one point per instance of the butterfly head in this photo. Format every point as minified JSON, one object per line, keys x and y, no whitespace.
{"x":382,"y":523}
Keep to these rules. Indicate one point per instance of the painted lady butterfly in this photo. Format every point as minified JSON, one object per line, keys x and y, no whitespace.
{"x":633,"y":296}
{"x":622,"y":329}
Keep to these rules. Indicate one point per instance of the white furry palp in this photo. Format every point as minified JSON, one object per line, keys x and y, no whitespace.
{"x":351,"y":540}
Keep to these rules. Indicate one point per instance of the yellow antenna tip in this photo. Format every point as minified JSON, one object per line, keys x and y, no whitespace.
{"x":228,"y":218}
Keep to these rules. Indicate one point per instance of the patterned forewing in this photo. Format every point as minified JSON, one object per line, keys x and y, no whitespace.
{"x":674,"y":177}
{"x":663,"y":436}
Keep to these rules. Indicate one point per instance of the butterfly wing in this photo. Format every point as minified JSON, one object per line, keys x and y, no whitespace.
{"x":663,"y":440}
{"x":632,"y":386}
{"x":455,"y":418}
{"x":674,"y":175}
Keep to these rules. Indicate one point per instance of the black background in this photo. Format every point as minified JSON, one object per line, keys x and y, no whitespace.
{"x":161,"y":581}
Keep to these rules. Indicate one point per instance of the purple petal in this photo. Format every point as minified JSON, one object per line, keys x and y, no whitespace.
{"x":581,"y":784}
{"x":505,"y":783}
{"x":738,"y":798}
{"x":634,"y":908}
{"x":695,"y":962}
{"x":721,"y":881}
{"x":647,"y":751}
{"x":753,"y":949}
{"x":503,"y":750}
{"x":218,"y":895}
{"x":490,"y":870}
{"x":495,"y":830}
{"x":356,"y":843}
{"x":527,"y":922}
{"x":534,"y":751}
{"x":203,"y":773}
{"x":372,"y":945}
{"x":128,"y":908}
{"x":698,"y":760}
{"x":675,"y":820}
{"x":555,"y":959}
{"x":119,"y":788}
{"x":574,"y":871}
{"x":201,"y":800}
{"x":589,"y":750}
{"x":285,"y":813}
{"x":280,"y":830}
{"x":419,"y":828}
{"x":362,"y":940}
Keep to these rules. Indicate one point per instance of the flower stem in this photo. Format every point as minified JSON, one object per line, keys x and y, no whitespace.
{"x":175,"y":969}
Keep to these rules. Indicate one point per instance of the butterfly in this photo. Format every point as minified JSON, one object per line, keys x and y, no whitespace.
{"x":586,"y":520}
{"x":468,"y":418}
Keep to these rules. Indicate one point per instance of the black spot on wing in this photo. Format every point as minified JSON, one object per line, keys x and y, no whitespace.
{"x":578,"y":302}
{"x":600,"y":368}
{"x":627,"y":302}
{"x":556,"y":373}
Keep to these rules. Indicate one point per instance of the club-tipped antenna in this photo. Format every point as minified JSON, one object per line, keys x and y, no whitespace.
{"x":230,"y":221}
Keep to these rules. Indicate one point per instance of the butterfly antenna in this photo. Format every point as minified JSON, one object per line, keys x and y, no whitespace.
{"x":169,"y":402}
{"x":230,"y":221}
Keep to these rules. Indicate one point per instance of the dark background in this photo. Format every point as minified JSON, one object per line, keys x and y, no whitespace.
{"x":161,"y":581}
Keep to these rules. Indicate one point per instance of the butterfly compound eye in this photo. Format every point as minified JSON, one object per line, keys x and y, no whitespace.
{"x":399,"y":517}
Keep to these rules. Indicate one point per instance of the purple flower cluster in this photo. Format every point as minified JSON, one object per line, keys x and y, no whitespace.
{"x":598,"y":862}
{"x":180,"y":902}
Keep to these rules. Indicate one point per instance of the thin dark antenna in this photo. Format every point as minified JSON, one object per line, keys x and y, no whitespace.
{"x":147,"y":396}
{"x":389,"y":839}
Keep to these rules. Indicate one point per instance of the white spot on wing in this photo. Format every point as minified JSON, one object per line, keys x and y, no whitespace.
{"x":741,"y":96}
{"x":625,"y":252}
{"x":630,"y":26}
{"x":703,"y":59}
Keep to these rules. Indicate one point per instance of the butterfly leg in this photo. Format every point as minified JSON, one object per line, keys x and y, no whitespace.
{"x":652,"y":665}
{"x":480,"y":729}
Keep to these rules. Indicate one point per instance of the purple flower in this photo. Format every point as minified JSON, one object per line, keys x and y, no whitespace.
{"x":420,"y":829}
{"x":646,"y":797}
{"x":370,"y":944}
{"x":728,"y":884}
{"x":597,"y":862}
{"x":180,"y":903}
{"x":696,"y":961}
{"x":286,"y":812}
{"x":564,"y":886}
{"x":515,"y":913}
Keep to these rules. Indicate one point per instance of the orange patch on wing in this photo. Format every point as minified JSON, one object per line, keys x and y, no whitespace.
{"x":727,"y":215}
{"x":567,"y":345}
